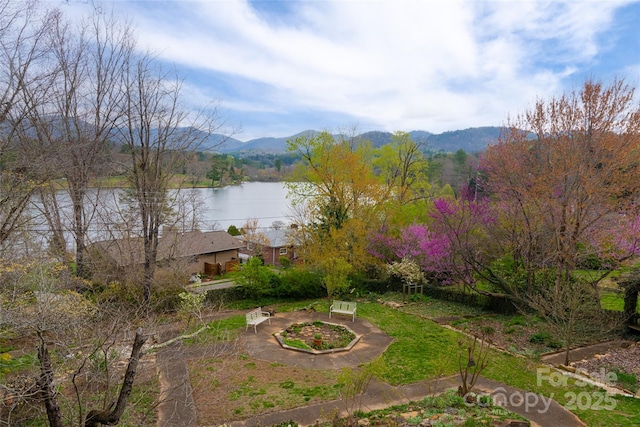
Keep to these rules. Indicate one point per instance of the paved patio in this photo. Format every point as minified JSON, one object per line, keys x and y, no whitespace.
{"x":264,"y":346}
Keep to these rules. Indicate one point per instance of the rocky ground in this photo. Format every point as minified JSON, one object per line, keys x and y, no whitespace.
{"x":624,"y":362}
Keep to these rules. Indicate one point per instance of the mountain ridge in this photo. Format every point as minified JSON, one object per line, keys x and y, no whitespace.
{"x":471,"y":140}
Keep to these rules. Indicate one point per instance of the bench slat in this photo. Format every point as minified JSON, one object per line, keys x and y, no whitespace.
{"x":343,"y":307}
{"x":255,"y":317}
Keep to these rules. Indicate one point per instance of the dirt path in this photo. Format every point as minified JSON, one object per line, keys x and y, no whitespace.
{"x":176,"y":408}
{"x":584,"y":352}
{"x":541,"y":412}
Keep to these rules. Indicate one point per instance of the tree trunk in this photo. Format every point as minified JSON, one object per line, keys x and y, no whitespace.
{"x":150,"y":257}
{"x":112,"y":417}
{"x":51,"y":212}
{"x":566,"y":354}
{"x":631,"y":301}
{"x":47,"y":389}
{"x":78,"y":226}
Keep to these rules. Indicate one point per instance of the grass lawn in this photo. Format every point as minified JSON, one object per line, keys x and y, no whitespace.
{"x":423,"y":350}
{"x":177,"y":181}
{"x":611,"y":300}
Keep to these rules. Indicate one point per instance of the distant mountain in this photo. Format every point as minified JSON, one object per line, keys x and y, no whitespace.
{"x":471,"y":140}
{"x":214,"y":141}
{"x":420,"y":136}
{"x":377,"y":138}
{"x":264,"y":145}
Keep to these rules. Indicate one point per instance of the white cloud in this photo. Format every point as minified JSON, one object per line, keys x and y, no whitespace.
{"x":397,"y":65}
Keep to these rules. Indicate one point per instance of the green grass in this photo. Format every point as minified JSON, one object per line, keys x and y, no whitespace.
{"x":424,"y":350}
{"x":626,"y":413}
{"x":421,"y":349}
{"x":143,"y":401}
{"x":434,"y":406}
{"x":10,"y":364}
{"x":296,"y":343}
{"x":219,"y":330}
{"x":611,"y":300}
{"x":121,"y":181}
{"x":434,"y":308}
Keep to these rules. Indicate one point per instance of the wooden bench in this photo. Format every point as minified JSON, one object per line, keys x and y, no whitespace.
{"x":343,"y":307}
{"x":255,"y":317}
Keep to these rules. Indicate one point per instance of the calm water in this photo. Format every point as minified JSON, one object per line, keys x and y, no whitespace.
{"x":218,"y":208}
{"x":265,"y":201}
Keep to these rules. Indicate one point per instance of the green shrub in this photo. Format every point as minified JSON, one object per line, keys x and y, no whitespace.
{"x":554,"y":344}
{"x":539,"y":338}
{"x":166,"y":297}
{"x":190,"y":306}
{"x":299,"y":283}
{"x":117,"y":292}
{"x":255,"y":279}
{"x":284,"y":262}
{"x":451,"y":293}
{"x":516,"y":321}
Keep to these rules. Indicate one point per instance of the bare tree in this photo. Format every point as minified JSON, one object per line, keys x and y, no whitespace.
{"x":157,"y":132}
{"x":77,"y":377}
{"x":572,"y":313}
{"x":75,"y":120}
{"x":23,"y":48}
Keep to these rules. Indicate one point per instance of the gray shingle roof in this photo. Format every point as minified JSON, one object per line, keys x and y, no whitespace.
{"x":277,"y":238}
{"x":171,"y":245}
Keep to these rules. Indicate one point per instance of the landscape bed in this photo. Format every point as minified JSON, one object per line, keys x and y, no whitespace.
{"x":317,"y":337}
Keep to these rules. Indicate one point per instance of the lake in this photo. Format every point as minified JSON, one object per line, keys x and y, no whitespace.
{"x":221,"y":207}
{"x":217,"y":209}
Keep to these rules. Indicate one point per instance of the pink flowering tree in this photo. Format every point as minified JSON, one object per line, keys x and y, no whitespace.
{"x":454,"y":247}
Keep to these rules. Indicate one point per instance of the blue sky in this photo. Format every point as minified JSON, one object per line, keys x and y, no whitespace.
{"x":276,"y":68}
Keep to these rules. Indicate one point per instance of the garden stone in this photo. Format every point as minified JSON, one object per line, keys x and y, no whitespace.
{"x":408,"y":415}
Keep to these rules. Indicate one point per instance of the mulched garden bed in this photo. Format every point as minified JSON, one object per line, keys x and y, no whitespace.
{"x":333,"y":336}
{"x":624,"y":362}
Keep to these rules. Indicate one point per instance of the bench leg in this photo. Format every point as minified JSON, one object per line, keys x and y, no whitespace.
{"x":255,"y":328}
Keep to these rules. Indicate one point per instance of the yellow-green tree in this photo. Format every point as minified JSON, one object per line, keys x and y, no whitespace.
{"x":338,"y":199}
{"x":403,"y":169}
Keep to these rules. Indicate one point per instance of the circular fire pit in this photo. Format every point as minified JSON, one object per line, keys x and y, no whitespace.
{"x":317,"y":337}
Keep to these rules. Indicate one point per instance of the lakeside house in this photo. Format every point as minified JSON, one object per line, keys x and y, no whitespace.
{"x":211,"y":252}
{"x":270,"y":244}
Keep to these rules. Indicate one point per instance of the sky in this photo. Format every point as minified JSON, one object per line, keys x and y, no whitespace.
{"x":276,"y":68}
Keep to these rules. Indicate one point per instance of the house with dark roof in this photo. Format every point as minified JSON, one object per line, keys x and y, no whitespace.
{"x":211,"y":252}
{"x":270,"y":244}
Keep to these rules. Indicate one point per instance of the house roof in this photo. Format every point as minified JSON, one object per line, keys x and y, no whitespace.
{"x":277,"y":238}
{"x":171,"y":245}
